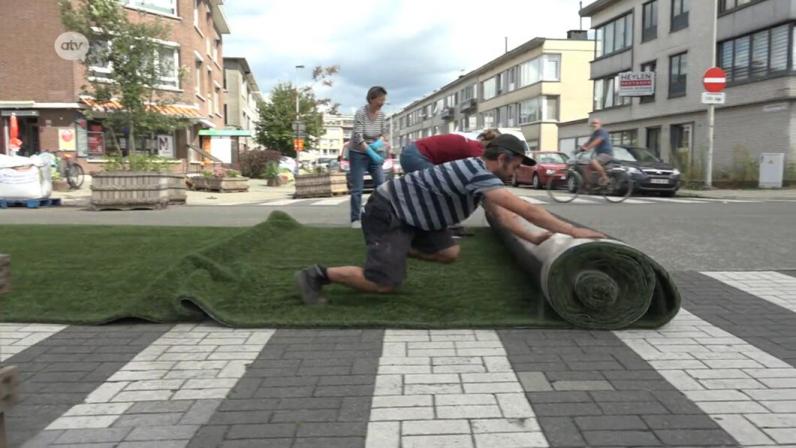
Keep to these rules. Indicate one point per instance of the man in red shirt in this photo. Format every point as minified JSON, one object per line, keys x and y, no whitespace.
{"x":427,"y":152}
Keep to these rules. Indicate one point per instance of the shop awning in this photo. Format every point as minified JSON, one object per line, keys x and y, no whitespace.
{"x":176,"y":110}
{"x":226,"y":133}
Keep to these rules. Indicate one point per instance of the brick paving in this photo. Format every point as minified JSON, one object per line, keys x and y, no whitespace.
{"x":720,"y":374}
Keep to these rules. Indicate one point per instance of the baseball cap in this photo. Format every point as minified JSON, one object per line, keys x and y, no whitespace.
{"x":512,"y":144}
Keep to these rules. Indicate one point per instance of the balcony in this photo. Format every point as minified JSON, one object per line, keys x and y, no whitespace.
{"x":447,"y":113}
{"x":468,"y":105}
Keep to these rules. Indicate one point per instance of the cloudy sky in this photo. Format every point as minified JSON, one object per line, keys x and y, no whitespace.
{"x":411,"y":47}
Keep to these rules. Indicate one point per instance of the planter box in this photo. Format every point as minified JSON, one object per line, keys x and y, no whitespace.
{"x":128,"y":190}
{"x":321,"y":185}
{"x":220,"y":184}
{"x":177,"y":188}
{"x":60,"y":185}
{"x":5,"y":273}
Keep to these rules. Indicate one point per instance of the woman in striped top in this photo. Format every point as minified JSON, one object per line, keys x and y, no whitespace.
{"x":369,"y":127}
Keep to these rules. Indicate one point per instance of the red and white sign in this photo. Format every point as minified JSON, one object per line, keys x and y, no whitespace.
{"x":715,"y":80}
{"x":636,"y":84}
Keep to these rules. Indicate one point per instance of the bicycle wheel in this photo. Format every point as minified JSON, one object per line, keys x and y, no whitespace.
{"x":568,"y":191}
{"x":619,"y":187}
{"x":74,"y":175}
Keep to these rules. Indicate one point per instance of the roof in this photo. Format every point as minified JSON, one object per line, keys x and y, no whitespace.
{"x":595,"y":7}
{"x":175,"y":110}
{"x":219,"y":19}
{"x":246,"y":70}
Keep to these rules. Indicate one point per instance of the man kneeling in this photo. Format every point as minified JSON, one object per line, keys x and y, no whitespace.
{"x":410,"y":215}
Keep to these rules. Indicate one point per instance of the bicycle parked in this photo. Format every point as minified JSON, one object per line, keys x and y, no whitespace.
{"x":618,"y":187}
{"x":67,"y":167}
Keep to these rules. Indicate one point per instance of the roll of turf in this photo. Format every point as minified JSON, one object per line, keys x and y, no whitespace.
{"x":596,"y":284}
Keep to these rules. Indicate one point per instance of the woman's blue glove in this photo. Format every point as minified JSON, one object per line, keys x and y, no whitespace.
{"x":371,"y":152}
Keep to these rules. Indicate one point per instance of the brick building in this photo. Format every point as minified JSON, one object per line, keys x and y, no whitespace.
{"x":46,"y":92}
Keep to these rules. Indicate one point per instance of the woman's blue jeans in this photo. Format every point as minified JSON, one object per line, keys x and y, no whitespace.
{"x":413,"y":160}
{"x":359,"y":163}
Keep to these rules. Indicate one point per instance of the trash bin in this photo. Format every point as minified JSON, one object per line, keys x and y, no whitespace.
{"x":772,"y":169}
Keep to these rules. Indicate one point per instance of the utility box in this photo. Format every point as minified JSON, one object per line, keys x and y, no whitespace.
{"x":772,"y":170}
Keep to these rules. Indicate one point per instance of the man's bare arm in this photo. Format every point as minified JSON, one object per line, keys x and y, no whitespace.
{"x":537,"y":215}
{"x":511,"y":221}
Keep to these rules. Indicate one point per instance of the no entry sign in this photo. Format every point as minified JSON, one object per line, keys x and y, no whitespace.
{"x":715,"y":80}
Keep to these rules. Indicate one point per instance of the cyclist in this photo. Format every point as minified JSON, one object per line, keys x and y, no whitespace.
{"x":600,"y":141}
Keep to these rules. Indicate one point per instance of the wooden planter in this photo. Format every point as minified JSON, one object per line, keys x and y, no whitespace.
{"x":321,"y":185}
{"x":220,"y":184}
{"x":60,"y":185}
{"x":5,"y":273}
{"x":177,"y":188}
{"x":129,"y":190}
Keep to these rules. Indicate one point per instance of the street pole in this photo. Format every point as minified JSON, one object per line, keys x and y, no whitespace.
{"x":711,"y":107}
{"x":298,"y":128}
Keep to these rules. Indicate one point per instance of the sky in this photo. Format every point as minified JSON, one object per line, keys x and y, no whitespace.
{"x":411,"y":47}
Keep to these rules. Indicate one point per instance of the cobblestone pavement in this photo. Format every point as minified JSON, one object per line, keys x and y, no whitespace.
{"x":720,"y":374}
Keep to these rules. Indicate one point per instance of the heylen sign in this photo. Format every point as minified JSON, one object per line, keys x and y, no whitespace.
{"x":637,"y":83}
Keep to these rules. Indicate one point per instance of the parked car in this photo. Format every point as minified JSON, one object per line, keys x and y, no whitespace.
{"x":391,"y":168}
{"x":650,"y":174}
{"x":549,"y":164}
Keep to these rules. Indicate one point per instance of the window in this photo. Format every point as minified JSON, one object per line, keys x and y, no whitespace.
{"x":198,"y":78}
{"x":489,"y":88}
{"x":756,"y":56}
{"x":530,"y":111}
{"x":168,"y":63}
{"x":451,"y":100}
{"x":158,"y":6}
{"x":550,"y":108}
{"x":508,"y":80}
{"x":649,"y":27}
{"x":511,"y":115}
{"x":551,"y":67}
{"x":217,"y":100}
{"x":488,"y":119}
{"x":468,"y":93}
{"x":625,"y":138}
{"x":196,"y":5}
{"x":606,"y":93}
{"x":529,"y":72}
{"x":729,"y":5}
{"x":681,"y":145}
{"x":649,"y":67}
{"x":679,"y":15}
{"x":98,"y":57}
{"x":654,"y":141}
{"x":615,"y":36}
{"x":678,"y":69}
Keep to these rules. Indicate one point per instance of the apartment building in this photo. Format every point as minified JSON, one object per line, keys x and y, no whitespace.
{"x":46,"y":92}
{"x":242,"y":99}
{"x":532,"y":87}
{"x":337,"y":130}
{"x":755,"y":45}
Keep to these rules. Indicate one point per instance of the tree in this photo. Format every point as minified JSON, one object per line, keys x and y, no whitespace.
{"x":137,"y":63}
{"x":275,"y":129}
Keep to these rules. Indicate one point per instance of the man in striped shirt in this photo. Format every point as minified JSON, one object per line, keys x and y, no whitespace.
{"x":410,"y":216}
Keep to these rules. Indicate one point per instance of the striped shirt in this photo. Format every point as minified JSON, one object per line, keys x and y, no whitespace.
{"x":438,"y":197}
{"x":367,"y":130}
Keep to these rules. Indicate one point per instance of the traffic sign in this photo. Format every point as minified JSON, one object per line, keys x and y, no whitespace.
{"x":714,"y":98}
{"x":715,"y":80}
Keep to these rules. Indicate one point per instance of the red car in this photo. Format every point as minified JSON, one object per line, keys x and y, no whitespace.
{"x":548,"y":164}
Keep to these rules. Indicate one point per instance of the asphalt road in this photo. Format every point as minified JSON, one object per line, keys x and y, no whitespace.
{"x":703,"y":236}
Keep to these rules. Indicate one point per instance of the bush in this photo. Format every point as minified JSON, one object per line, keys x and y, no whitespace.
{"x":254,"y":163}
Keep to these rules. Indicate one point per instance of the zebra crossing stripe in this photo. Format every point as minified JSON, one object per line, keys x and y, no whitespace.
{"x":777,"y":288}
{"x":17,"y":337}
{"x":193,"y":364}
{"x":332,"y":201}
{"x":748,"y":392}
{"x":449,"y":388}
{"x":532,"y":200}
{"x":636,"y":201}
{"x":677,"y":201}
{"x":282,"y":202}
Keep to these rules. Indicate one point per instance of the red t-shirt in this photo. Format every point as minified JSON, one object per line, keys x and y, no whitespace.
{"x":449,"y":147}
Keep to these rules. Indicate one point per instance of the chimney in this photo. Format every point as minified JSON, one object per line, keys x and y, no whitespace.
{"x":578,"y":35}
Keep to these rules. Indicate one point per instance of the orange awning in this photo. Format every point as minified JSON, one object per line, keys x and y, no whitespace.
{"x":176,"y":110}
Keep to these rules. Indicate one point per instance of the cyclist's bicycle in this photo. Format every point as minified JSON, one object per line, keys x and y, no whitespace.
{"x":73,"y":172}
{"x":618,"y":188}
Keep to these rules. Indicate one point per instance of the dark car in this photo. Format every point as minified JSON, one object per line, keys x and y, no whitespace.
{"x":549,"y":164}
{"x":650,"y":174}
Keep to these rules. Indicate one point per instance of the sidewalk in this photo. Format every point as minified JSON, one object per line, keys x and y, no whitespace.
{"x":754,"y":194}
{"x":258,"y":191}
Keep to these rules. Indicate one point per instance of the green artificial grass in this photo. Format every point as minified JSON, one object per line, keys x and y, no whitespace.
{"x":244,"y":278}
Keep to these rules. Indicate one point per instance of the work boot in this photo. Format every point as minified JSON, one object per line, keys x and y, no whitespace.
{"x":310,"y":282}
